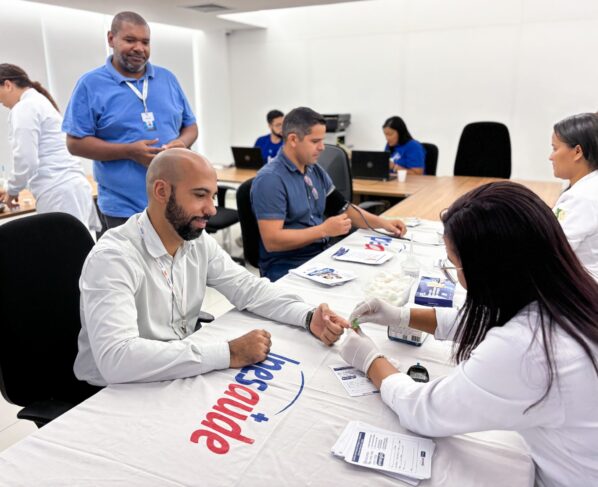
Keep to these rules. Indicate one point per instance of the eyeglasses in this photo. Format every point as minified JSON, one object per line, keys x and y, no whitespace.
{"x":310,"y":185}
{"x":449,"y":270}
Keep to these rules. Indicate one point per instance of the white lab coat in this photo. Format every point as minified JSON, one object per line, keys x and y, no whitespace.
{"x":42,"y":162}
{"x":504,"y":376}
{"x":577,"y":211}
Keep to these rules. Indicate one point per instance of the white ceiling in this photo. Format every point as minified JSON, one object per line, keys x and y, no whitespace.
{"x":174,"y":12}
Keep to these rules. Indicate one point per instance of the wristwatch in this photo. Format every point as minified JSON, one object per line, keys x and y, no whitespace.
{"x":308,"y":318}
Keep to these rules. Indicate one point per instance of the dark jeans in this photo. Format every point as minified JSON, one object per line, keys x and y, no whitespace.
{"x":109,"y":222}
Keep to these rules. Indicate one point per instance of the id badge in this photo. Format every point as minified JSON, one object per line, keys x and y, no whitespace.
{"x":148,"y":120}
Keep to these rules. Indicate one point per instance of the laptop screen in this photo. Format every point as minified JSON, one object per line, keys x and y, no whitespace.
{"x":371,"y":165}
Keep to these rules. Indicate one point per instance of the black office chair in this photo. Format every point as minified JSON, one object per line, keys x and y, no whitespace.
{"x":431,"y":161}
{"x":250,"y":232}
{"x":484,"y":150}
{"x":41,"y":258}
{"x":224,"y":219}
{"x":335,"y":162}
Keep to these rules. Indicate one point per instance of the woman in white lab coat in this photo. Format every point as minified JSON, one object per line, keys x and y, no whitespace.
{"x":575,"y":157}
{"x":526,"y":339}
{"x":41,"y":160}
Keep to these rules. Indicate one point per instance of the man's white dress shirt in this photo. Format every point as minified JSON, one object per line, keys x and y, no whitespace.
{"x":494,"y":389}
{"x":133,"y":325}
{"x":577,"y":211}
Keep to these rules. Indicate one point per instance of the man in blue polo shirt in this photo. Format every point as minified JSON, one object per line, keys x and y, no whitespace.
{"x":271,"y":143}
{"x":124,"y":113}
{"x":291,"y":194}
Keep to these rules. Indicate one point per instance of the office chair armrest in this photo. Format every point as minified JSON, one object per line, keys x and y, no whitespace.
{"x":203,"y":318}
{"x":376,"y":207}
{"x":42,"y":412}
{"x":222,"y":189}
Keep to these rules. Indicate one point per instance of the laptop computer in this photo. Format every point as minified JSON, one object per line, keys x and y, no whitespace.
{"x":248,"y":157}
{"x":371,"y":165}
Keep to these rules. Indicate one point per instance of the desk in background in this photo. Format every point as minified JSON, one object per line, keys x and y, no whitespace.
{"x":143,"y":434}
{"x":27,"y":201}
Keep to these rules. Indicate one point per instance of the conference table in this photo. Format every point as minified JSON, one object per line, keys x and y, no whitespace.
{"x":425,"y":196}
{"x":285,"y":416}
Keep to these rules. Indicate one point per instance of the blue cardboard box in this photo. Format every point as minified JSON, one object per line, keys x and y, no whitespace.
{"x":435,"y":291}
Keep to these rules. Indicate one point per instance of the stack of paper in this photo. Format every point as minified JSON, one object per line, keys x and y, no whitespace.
{"x":362,"y":256}
{"x":324,"y":274}
{"x":404,"y":457}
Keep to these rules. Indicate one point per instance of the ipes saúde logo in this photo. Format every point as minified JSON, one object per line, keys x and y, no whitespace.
{"x":224,"y":423}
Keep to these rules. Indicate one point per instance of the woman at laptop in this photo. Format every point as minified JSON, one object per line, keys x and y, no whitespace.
{"x":575,"y":158}
{"x":405,"y":152}
{"x":526,"y":339}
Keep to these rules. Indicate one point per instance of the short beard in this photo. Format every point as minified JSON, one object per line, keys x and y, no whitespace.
{"x":180,"y":220}
{"x":121,"y":60}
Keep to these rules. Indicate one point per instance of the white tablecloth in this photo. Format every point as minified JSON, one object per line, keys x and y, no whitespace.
{"x":141,"y":434}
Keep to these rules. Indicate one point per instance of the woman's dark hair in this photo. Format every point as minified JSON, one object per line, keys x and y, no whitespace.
{"x":10,"y":72}
{"x":397,"y":123}
{"x":581,"y":130}
{"x":513,"y":253}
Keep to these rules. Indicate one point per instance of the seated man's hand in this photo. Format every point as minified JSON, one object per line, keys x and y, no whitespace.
{"x":337,"y":225}
{"x":396,"y":227}
{"x":359,"y":351}
{"x":250,"y":348}
{"x":327,"y":325}
{"x":375,"y":310}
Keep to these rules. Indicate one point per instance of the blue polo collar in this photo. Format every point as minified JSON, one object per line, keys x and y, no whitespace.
{"x":290,"y":166}
{"x":119,"y":78}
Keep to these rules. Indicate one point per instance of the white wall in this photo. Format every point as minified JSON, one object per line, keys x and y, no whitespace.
{"x":440,"y":64}
{"x":57,"y":45}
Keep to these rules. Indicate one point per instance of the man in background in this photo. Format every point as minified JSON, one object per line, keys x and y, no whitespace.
{"x":296,"y":205}
{"x":271,"y":143}
{"x":124,"y":113}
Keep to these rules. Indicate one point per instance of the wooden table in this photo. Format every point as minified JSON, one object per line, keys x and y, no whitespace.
{"x":368,"y":187}
{"x":440,"y":192}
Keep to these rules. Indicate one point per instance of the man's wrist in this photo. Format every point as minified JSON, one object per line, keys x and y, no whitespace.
{"x":308,"y":319}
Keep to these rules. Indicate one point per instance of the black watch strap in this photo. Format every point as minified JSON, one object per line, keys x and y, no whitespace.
{"x":308,"y":318}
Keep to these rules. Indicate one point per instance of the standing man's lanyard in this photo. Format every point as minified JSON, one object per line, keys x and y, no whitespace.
{"x":181,"y":331}
{"x":147,"y":117}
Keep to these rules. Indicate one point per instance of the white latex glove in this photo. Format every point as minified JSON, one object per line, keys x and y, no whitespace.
{"x":377,"y":311}
{"x":359,"y":350}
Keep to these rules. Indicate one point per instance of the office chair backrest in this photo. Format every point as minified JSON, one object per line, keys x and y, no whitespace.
{"x":335,"y":162}
{"x":484,"y":150}
{"x":41,"y":258}
{"x":250,"y":232}
{"x":431,"y":162}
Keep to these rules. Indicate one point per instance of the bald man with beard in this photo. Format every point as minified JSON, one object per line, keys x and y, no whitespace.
{"x":143,"y":284}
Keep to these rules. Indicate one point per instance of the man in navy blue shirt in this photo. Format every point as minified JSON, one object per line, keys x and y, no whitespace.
{"x":271,"y":143}
{"x":290,"y":195}
{"x":124,"y":113}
